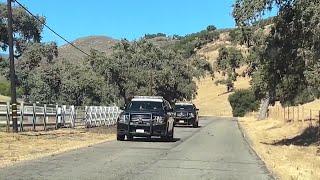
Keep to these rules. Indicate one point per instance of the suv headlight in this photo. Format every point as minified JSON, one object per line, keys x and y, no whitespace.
{"x":124,"y":119}
{"x":158,"y":119}
{"x":191,"y":115}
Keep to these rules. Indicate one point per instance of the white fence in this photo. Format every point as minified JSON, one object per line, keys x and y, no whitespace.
{"x":42,"y":117}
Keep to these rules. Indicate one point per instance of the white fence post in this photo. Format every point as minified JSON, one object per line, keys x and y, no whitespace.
{"x":34,"y":116}
{"x":114,"y":115}
{"x":63,"y":114}
{"x":57,"y":116}
{"x":21,"y":116}
{"x":45,"y":117}
{"x":108,"y":116}
{"x":104,"y":115}
{"x":93,"y":116}
{"x":72,"y":116}
{"x":86,"y":117}
{"x":8,"y":116}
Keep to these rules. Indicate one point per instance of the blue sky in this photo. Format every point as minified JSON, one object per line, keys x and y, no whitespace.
{"x":129,"y":19}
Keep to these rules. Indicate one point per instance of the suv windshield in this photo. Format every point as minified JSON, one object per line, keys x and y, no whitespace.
{"x":145,"y":105}
{"x":182,"y":107}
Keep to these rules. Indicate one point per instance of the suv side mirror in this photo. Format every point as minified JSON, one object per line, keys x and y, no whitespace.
{"x":122,"y":108}
{"x":197,"y":109}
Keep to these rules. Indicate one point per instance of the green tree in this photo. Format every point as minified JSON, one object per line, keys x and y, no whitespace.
{"x":150,"y":36}
{"x":228,"y":61}
{"x":25,"y":27}
{"x":242,"y":35}
{"x":34,"y":56}
{"x":287,"y":61}
{"x":141,"y":68}
{"x":242,"y":102}
{"x":211,"y":28}
{"x":188,"y":44}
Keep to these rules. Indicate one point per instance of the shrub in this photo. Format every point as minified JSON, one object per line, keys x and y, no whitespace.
{"x":243,"y":101}
{"x":4,"y":88}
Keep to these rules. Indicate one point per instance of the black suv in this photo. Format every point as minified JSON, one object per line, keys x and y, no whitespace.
{"x":186,"y":114}
{"x":146,"y":116}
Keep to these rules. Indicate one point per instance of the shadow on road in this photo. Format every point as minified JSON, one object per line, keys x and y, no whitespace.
{"x":140,"y":139}
{"x":186,"y":126}
{"x":310,"y":136}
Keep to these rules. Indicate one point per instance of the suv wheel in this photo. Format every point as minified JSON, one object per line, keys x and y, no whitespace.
{"x":196,"y":124}
{"x":120,"y":137}
{"x":171,"y":135}
{"x":129,"y":137}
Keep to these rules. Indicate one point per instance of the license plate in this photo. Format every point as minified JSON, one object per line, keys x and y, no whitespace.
{"x":181,"y":121}
{"x":139,"y":130}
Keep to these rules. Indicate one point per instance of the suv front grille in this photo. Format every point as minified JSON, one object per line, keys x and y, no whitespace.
{"x":182,"y":114}
{"x":141,"y":119}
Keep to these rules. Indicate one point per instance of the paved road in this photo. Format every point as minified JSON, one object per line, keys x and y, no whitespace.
{"x":216,"y":150}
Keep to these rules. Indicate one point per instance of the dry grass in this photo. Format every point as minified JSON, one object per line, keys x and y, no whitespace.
{"x":290,"y":150}
{"x":4,"y":98}
{"x":31,"y":145}
{"x":212,"y":100}
{"x":314,"y":105}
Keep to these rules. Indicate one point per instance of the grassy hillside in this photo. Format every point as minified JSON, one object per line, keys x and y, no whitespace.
{"x":212,"y":99}
{"x":162,"y":41}
{"x":100,"y":43}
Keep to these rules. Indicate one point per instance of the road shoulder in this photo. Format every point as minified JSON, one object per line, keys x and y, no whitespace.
{"x":16,"y":148}
{"x":249,"y":142}
{"x":283,"y":147}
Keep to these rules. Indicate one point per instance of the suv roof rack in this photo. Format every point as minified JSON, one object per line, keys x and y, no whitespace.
{"x":183,"y":103}
{"x":147,"y":97}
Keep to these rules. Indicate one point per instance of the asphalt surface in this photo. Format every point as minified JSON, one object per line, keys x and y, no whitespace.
{"x":215,"y":150}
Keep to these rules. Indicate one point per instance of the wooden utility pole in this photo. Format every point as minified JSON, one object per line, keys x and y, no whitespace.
{"x":319,"y":126}
{"x":12,"y":69}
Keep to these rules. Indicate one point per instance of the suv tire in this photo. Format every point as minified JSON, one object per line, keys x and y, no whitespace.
{"x":169,"y":137}
{"x":129,"y":137}
{"x":196,"y":124}
{"x":120,"y":137}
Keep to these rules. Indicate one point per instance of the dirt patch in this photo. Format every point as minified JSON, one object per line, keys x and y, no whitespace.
{"x":31,"y":145}
{"x":290,"y":150}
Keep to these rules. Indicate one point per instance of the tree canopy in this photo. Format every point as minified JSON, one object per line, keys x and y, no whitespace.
{"x":228,"y":61}
{"x":141,"y":68}
{"x":25,"y":27}
{"x":287,"y":55}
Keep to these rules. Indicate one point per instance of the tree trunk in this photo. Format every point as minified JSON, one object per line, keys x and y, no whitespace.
{"x":264,"y":107}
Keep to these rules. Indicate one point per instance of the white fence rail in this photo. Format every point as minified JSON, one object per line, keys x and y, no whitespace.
{"x":42,"y":117}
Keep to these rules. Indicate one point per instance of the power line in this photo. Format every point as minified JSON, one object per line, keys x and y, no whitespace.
{"x":54,"y":32}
